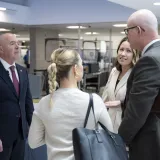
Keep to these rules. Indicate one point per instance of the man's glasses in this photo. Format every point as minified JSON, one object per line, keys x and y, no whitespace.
{"x":126,"y":30}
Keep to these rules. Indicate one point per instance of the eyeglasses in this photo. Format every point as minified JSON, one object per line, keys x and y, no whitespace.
{"x":126,"y":30}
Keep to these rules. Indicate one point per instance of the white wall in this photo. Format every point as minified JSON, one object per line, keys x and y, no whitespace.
{"x":37,"y":46}
{"x":20,"y":60}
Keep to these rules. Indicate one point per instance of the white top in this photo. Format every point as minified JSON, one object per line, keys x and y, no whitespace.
{"x":7,"y":68}
{"x":53,"y":125}
{"x":148,"y":45}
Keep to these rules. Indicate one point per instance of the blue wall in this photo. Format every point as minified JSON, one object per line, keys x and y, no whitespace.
{"x":19,"y":2}
{"x":63,"y":11}
{"x":76,"y":11}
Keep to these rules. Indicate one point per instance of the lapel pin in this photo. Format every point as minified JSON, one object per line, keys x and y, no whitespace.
{"x":20,"y":70}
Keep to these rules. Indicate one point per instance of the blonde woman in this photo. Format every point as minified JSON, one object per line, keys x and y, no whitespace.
{"x":64,"y":109}
{"x":115,"y":90}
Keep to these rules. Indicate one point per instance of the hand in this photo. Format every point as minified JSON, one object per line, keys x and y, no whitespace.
{"x":1,"y":146}
{"x":111,"y":104}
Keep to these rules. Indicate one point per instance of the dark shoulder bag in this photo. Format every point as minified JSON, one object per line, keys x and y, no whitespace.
{"x":97,"y":144}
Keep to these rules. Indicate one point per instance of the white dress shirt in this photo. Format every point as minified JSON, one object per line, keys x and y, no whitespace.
{"x":148,"y":45}
{"x":7,"y":68}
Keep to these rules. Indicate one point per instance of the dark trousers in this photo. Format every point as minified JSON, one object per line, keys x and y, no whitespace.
{"x":17,"y":149}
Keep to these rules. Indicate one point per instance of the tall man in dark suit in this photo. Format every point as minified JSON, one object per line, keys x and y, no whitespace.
{"x":16,"y":105}
{"x":140,"y":127}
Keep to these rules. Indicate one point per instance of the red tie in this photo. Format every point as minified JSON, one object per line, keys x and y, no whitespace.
{"x":15,"y":80}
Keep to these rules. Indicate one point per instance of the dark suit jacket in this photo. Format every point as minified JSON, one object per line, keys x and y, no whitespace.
{"x":140,"y":127}
{"x":14,"y":109}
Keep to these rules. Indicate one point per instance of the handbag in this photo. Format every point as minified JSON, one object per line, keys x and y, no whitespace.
{"x":97,"y":144}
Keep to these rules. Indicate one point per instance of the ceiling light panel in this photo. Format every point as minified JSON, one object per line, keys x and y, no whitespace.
{"x":120,"y":25}
{"x":76,"y":27}
{"x":2,"y":9}
{"x":156,"y":3}
{"x":4,"y":30}
{"x":122,"y":32}
{"x":91,"y":33}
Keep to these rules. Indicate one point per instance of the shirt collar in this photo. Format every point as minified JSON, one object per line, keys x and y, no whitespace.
{"x":6,"y":65}
{"x":148,"y":45}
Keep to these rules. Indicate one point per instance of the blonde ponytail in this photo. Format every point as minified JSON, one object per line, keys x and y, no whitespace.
{"x":52,"y":70}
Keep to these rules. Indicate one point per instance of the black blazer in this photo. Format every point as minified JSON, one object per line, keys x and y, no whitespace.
{"x":140,"y":127}
{"x":14,"y":109}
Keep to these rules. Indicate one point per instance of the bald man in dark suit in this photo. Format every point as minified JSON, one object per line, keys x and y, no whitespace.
{"x":140,"y":127}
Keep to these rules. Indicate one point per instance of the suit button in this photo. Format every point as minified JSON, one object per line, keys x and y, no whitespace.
{"x":19,"y":103}
{"x":18,"y":116}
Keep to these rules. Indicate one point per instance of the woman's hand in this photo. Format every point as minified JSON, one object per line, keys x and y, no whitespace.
{"x":112,"y":104}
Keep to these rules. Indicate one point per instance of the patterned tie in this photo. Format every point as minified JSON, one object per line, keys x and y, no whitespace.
{"x":15,"y":80}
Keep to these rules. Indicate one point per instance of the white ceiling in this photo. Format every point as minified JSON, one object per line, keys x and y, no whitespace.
{"x":21,"y":30}
{"x":60,"y":27}
{"x":13,"y":27}
{"x":140,"y":4}
{"x":102,"y":28}
{"x":91,"y":27}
